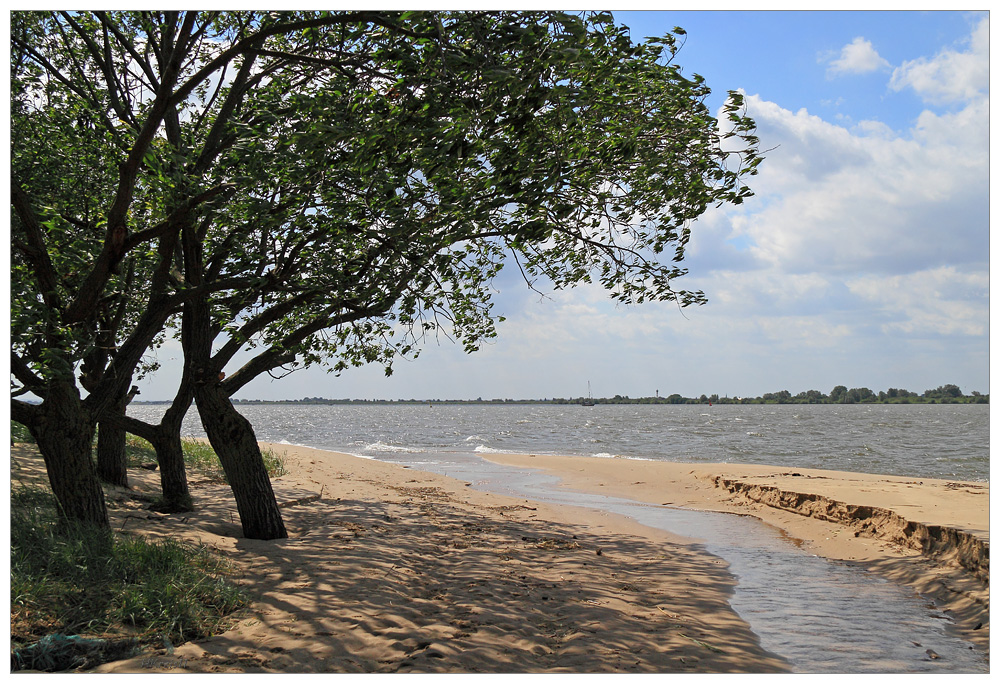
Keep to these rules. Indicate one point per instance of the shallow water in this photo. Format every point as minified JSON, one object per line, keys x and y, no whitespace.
{"x":819,"y":615}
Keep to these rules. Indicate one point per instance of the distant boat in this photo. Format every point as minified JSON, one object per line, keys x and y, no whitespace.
{"x":589,"y":401}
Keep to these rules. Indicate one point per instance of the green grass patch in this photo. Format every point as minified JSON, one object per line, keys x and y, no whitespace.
{"x":137,"y":451}
{"x":74,"y":579}
{"x":274,"y":462}
{"x":20,"y":434}
{"x":198,"y":456}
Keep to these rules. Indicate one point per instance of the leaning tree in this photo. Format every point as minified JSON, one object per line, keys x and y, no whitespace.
{"x":330,"y":186}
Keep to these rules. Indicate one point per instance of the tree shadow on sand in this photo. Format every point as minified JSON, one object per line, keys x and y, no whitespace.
{"x":424,"y":581}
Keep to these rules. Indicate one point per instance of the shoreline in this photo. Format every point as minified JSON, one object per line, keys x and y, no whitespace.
{"x":391,"y":569}
{"x":931,"y":535}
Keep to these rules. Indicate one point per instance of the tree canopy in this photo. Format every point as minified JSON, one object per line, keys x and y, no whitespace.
{"x":331,"y":186}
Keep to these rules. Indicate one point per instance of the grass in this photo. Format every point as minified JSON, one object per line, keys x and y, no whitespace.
{"x":19,"y":433}
{"x":79,"y":580}
{"x":198,"y":456}
{"x":72,"y":579}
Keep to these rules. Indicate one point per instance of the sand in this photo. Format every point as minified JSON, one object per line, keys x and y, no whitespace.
{"x":389,"y":569}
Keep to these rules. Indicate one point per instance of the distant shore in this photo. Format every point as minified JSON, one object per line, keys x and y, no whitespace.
{"x":389,"y":569}
{"x":605,"y":401}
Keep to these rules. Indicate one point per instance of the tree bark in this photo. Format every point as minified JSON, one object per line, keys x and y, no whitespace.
{"x":64,"y":432}
{"x":170,"y":452}
{"x":111,"y":467}
{"x":233,"y":439}
{"x":173,"y":473}
{"x":166,"y":440}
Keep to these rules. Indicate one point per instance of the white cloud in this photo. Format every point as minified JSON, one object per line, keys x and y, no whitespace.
{"x":939,"y":301}
{"x":857,"y":57}
{"x":844,"y":201}
{"x":857,"y":232}
{"x":950,"y":76}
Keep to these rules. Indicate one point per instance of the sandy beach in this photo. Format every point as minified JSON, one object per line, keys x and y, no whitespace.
{"x":930,"y":534}
{"x":389,"y":569}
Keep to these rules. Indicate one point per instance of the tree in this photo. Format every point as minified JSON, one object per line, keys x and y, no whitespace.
{"x":838,"y":394}
{"x":810,"y":397}
{"x":331,"y":187}
{"x":951,"y":391}
{"x":859,"y":395}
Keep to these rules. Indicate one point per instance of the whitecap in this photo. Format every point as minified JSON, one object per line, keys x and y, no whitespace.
{"x":382,"y":447}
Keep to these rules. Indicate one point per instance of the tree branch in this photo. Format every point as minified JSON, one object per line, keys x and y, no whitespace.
{"x":22,"y":411}
{"x":27,"y":377}
{"x":37,"y":253}
{"x":172,"y":221}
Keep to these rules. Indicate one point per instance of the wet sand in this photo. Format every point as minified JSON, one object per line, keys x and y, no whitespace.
{"x":930,"y":534}
{"x":389,"y":569}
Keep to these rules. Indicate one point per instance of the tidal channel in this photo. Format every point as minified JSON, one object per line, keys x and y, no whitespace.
{"x":821,"y":616}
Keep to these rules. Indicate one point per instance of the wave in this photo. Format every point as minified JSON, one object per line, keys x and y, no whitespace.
{"x":383,"y":448}
{"x":483,"y":449}
{"x":605,"y":454}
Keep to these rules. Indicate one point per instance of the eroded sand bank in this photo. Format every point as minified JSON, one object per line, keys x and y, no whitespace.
{"x":930,"y":534}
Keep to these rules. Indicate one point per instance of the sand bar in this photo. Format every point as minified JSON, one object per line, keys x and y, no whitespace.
{"x":389,"y":569}
{"x":930,"y":534}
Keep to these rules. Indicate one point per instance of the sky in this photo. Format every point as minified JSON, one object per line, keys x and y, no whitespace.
{"x":862,"y":260}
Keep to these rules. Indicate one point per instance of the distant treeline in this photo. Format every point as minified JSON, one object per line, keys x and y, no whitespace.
{"x":945,"y":394}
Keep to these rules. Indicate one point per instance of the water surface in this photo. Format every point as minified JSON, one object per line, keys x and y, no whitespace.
{"x":945,"y":441}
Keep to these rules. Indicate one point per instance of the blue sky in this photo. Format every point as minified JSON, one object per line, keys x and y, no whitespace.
{"x":863,"y":259}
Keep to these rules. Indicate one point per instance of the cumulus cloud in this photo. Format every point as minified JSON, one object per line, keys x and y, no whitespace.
{"x":951,"y":75}
{"x":841,"y":201}
{"x":857,"y":57}
{"x":861,"y":241}
{"x":859,"y":231}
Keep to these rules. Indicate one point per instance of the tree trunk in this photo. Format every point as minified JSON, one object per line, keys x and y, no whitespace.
{"x":64,"y":432}
{"x":235,"y":443}
{"x":170,"y":452}
{"x":111,"y":466}
{"x":173,"y":473}
{"x":231,"y":435}
{"x":166,"y":440}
